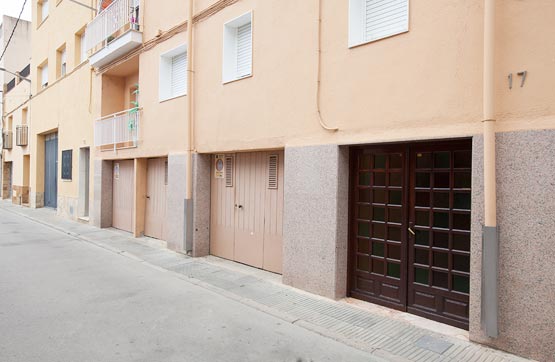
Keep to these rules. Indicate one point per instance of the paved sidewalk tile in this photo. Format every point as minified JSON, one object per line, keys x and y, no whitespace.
{"x":385,"y":337}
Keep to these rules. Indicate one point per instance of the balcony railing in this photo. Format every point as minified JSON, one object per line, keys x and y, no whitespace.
{"x":7,"y":140}
{"x":22,"y":135}
{"x":117,"y":131}
{"x":118,"y":17}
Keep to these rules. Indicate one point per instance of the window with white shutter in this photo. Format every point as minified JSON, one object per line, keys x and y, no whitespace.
{"x":237,"y":52}
{"x":179,"y":75}
{"x":83,"y":45}
{"x":63,"y":61}
{"x":43,"y":10}
{"x":371,"y":20}
{"x":43,"y":76}
{"x":173,"y":73}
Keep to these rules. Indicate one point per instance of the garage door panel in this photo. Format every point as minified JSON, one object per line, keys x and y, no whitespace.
{"x":156,"y":194}
{"x":122,"y":199}
{"x":222,"y":209}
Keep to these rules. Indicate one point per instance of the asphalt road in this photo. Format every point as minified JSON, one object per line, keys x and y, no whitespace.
{"x":63,"y":299}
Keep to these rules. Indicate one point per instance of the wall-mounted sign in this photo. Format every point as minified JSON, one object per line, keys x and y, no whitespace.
{"x":219,"y":166}
{"x":116,"y":170}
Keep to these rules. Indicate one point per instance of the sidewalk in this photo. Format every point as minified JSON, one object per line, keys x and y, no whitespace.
{"x":373,"y":330}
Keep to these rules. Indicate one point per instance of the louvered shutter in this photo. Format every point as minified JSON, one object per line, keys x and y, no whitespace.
{"x":229,"y":171}
{"x":44,"y":75}
{"x":179,"y":75}
{"x":83,"y":48}
{"x":385,"y":18}
{"x":63,"y":59}
{"x":273,"y":172}
{"x":244,"y":50}
{"x":44,"y":9}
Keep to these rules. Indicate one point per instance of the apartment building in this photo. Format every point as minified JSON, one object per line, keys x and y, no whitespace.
{"x":398,"y":152}
{"x":62,"y":131}
{"x":14,"y":108}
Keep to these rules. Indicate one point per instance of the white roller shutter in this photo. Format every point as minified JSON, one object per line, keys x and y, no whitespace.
{"x":385,"y":18}
{"x":44,"y":10}
{"x":179,"y":75}
{"x":83,"y":48}
{"x":44,"y":75}
{"x":244,"y":50}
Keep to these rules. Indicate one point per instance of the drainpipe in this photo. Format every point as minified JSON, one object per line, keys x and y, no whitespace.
{"x":490,"y":244}
{"x":190,"y":123}
{"x":319,"y":86}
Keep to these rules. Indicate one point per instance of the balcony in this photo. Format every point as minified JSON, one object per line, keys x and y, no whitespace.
{"x":114,"y":32}
{"x":22,"y":135}
{"x":117,"y":131}
{"x":7,"y":140}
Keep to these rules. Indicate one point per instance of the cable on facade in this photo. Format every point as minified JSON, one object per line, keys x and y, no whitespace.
{"x":13,"y":30}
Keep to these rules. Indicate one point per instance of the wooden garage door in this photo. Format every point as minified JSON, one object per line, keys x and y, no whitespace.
{"x":122,"y":195}
{"x":247,"y":208}
{"x":410,"y":228}
{"x":155,"y":211}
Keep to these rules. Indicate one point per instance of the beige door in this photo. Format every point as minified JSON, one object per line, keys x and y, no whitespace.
{"x":273,"y":213}
{"x":155,"y":211}
{"x":247,"y":209}
{"x":222,"y":218}
{"x":249,"y":212}
{"x":122,"y":199}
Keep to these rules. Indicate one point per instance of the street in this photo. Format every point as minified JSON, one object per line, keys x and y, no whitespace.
{"x":63,"y":299}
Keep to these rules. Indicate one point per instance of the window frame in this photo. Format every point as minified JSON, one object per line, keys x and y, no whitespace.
{"x":357,"y":23}
{"x":165,"y":73}
{"x":229,"y":48}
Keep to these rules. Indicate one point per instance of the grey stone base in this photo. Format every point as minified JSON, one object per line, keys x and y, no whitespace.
{"x":316,"y":219}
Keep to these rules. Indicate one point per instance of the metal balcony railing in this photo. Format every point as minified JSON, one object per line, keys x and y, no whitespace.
{"x":7,"y":140}
{"x":120,"y":15}
{"x":22,"y":135}
{"x":118,"y":130}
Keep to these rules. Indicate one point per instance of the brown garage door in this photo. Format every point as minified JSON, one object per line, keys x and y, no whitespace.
{"x":410,"y":228}
{"x":122,"y":199}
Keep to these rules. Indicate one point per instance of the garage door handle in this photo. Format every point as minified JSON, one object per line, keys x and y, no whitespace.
{"x":239,"y":206}
{"x":148,"y":197}
{"x":412,"y":232}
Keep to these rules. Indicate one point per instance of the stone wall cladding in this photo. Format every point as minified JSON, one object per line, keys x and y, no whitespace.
{"x":101,"y":212}
{"x":175,"y":201}
{"x":315,"y":219}
{"x":201,"y":202}
{"x":525,"y":218}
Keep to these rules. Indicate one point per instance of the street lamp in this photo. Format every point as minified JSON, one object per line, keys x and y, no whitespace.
{"x":17,"y":75}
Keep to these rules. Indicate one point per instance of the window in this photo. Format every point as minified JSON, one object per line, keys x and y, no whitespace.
{"x":43,"y":9}
{"x":43,"y":71}
{"x":371,"y":20}
{"x":67,"y":163}
{"x":80,"y":47}
{"x":237,"y":52}
{"x":173,"y":73}
{"x":62,"y":62}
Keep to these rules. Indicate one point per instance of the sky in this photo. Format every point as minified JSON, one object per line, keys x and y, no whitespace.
{"x":13,"y":7}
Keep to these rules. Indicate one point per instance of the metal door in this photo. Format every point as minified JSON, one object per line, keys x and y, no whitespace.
{"x":273,"y":213}
{"x":247,"y":208}
{"x":156,"y":186}
{"x":410,"y":228}
{"x":122,"y":195}
{"x":51,"y":170}
{"x":222,"y":201}
{"x":249,"y":204}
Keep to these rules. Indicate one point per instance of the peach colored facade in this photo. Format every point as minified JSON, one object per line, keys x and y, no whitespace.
{"x":310,"y":98}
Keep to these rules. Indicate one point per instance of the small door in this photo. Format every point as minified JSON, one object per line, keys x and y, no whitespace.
{"x":84,"y":177}
{"x":247,"y":208}
{"x":122,"y":191}
{"x":51,"y":170}
{"x":410,"y":228}
{"x":249,"y":204}
{"x":222,"y":199}
{"x":156,"y":186}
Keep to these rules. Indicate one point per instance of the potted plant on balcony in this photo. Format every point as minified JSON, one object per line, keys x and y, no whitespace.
{"x":132,"y":121}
